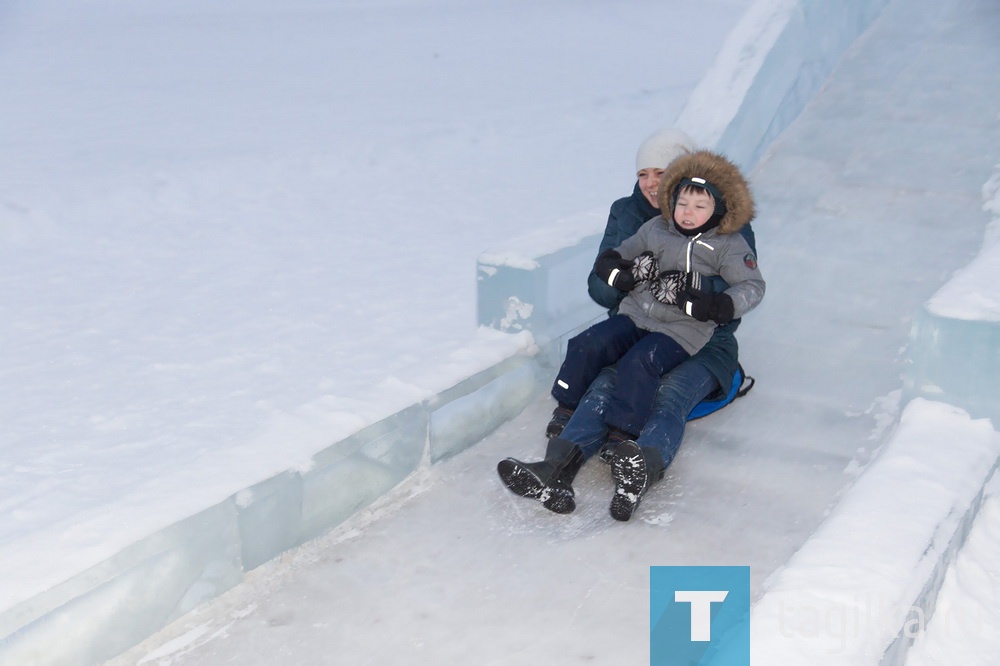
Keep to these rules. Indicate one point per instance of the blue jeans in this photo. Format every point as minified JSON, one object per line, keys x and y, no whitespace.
{"x":683,"y":388}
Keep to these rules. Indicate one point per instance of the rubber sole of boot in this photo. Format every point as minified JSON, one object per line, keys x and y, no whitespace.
{"x":525,"y":483}
{"x":628,"y":468}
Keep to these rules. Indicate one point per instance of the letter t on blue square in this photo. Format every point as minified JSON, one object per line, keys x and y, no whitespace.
{"x":699,"y":616}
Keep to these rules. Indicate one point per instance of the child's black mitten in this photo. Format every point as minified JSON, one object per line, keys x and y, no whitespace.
{"x":703,"y":306}
{"x":616,"y":271}
{"x":666,"y":286}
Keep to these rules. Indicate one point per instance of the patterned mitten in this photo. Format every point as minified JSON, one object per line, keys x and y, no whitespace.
{"x":666,"y":286}
{"x":644,"y":267}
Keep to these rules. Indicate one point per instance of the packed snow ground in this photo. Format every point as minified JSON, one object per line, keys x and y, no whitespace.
{"x":212,"y":217}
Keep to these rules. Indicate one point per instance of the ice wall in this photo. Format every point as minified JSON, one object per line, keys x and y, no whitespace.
{"x":769,"y":68}
{"x":956,"y":361}
{"x":105,"y":610}
{"x":955,"y":341}
{"x":537,"y":282}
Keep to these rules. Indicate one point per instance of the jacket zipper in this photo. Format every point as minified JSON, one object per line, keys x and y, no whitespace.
{"x":690,"y":249}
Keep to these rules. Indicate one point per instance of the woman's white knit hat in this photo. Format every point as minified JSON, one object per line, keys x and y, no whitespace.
{"x":662,"y":147}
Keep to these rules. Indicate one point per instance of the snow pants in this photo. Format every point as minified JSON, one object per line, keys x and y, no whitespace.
{"x":642,"y":357}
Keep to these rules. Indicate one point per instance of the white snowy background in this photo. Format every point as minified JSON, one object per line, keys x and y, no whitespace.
{"x":213,"y":217}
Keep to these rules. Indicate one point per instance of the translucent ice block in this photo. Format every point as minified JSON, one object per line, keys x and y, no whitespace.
{"x":543,"y":292}
{"x":956,"y":361}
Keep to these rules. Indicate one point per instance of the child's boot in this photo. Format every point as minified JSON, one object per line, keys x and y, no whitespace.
{"x":634,"y":469}
{"x":549,"y":481}
{"x":560,"y":417}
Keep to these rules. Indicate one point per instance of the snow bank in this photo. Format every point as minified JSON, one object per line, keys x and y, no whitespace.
{"x":973,"y":293}
{"x":965,"y":628}
{"x":865,"y":583}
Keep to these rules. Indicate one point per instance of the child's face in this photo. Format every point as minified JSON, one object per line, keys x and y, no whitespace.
{"x":649,"y":183}
{"x":693,"y":208}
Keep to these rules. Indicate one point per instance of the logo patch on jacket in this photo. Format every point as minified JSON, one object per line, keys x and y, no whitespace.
{"x":750,"y":261}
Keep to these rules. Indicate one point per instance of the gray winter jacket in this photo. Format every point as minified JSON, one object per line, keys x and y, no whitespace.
{"x":711,"y":253}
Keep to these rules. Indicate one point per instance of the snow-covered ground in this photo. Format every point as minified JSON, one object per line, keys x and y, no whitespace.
{"x":213,"y":216}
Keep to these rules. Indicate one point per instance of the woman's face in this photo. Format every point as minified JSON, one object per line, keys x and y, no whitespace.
{"x":649,"y":184}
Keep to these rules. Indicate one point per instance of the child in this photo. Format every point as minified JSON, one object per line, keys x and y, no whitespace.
{"x":666,"y":316}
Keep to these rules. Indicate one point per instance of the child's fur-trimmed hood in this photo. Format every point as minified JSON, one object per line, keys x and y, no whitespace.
{"x":719,"y":171}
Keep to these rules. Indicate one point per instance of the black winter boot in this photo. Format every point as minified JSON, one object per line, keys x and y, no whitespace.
{"x":615,"y":437}
{"x":549,"y":481}
{"x":560,"y":417}
{"x":634,"y":469}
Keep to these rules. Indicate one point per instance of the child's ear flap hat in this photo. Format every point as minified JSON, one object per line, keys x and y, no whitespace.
{"x":717,"y":175}
{"x":662,"y":147}
{"x":696,"y":182}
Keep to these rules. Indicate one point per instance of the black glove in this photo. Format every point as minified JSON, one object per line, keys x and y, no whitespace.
{"x":703,"y":306}
{"x":666,"y":286}
{"x":614,"y":270}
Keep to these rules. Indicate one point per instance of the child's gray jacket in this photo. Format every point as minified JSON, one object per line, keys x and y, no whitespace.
{"x":711,"y":253}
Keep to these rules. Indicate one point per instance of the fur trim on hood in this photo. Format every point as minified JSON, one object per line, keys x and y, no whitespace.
{"x":719,"y":171}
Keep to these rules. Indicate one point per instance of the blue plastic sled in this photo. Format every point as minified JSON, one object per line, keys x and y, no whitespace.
{"x":718,"y":400}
